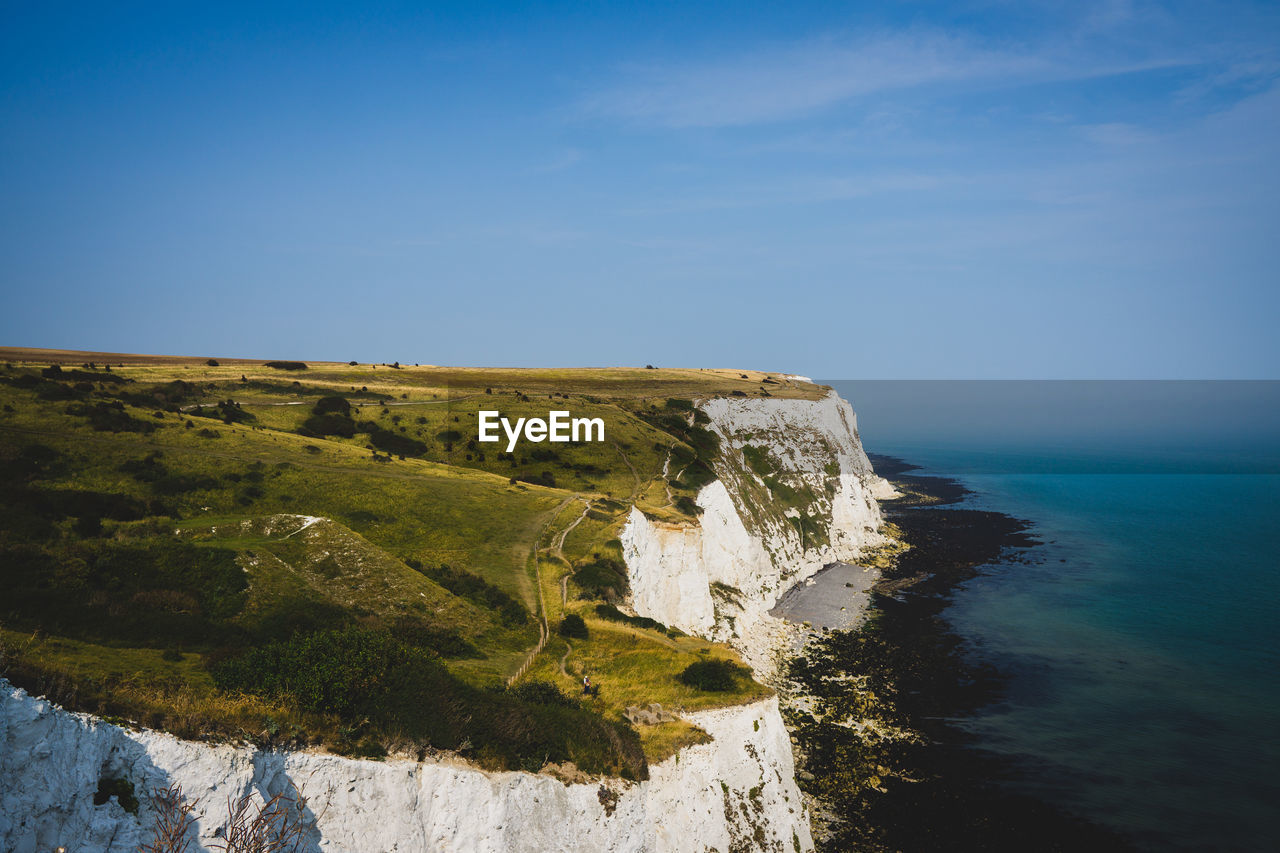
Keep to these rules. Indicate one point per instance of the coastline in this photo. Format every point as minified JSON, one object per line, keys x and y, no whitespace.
{"x":872,"y":708}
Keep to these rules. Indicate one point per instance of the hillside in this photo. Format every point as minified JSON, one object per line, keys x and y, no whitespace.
{"x":323,"y":553}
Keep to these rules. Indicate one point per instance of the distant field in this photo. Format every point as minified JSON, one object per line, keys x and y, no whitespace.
{"x":176,"y":529}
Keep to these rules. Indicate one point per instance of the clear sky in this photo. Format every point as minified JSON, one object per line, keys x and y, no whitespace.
{"x":898,"y":190}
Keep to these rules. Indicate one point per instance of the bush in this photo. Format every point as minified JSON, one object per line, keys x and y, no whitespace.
{"x":685,"y":504}
{"x":546,"y":478}
{"x":332,"y":405}
{"x":110,"y":417}
{"x":121,"y":789}
{"x":370,"y":678}
{"x":53,"y":371}
{"x":613,"y":614}
{"x":696,"y":475}
{"x":478,"y":590}
{"x":228,"y":411}
{"x":180,"y":484}
{"x":573,"y":626}
{"x":391,"y":442}
{"x":713,"y":675}
{"x":329,"y":423}
{"x":287,"y":365}
{"x":445,"y":642}
{"x":602,"y":578}
{"x":158,"y":595}
{"x":759,"y":460}
{"x":542,"y":693}
{"x":62,"y":503}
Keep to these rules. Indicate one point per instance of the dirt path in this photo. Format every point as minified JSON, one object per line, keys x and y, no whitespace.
{"x":666,"y":480}
{"x":558,"y":549}
{"x":544,"y":629}
{"x":564,"y":658}
{"x":639,"y":484}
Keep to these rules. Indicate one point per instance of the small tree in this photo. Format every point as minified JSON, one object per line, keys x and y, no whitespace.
{"x":715,"y":674}
{"x":573,"y":626}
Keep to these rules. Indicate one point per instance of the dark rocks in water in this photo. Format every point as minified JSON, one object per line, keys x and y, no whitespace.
{"x":927,"y":785}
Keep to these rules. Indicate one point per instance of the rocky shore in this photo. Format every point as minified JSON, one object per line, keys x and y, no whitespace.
{"x":872,"y":709}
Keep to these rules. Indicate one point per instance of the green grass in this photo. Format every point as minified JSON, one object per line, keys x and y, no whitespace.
{"x":154,"y":531}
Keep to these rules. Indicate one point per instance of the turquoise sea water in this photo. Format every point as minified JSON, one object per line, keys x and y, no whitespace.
{"x":1141,"y":641}
{"x":1142,"y":645}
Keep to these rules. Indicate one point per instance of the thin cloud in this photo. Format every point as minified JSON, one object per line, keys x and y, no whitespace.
{"x":798,"y":80}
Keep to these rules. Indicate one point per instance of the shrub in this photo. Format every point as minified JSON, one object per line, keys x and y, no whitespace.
{"x":391,"y":442}
{"x":696,"y":475}
{"x":685,"y":504}
{"x":478,"y":590}
{"x":573,"y":626}
{"x":158,"y":594}
{"x":54,"y":371}
{"x":331,"y":423}
{"x":213,"y":362}
{"x":110,"y":417}
{"x":332,"y":405}
{"x":286,"y":365}
{"x":61,"y":503}
{"x":445,"y":642}
{"x":613,"y":614}
{"x":759,"y":460}
{"x":121,"y":789}
{"x":714,"y":675}
{"x":602,"y":578}
{"x":180,"y":484}
{"x":371,"y":678}
{"x":543,"y":693}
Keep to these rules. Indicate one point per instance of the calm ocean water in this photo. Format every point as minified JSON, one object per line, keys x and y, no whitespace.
{"x":1142,"y":641}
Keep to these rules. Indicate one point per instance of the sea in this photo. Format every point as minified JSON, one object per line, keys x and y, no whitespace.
{"x":1141,"y":639}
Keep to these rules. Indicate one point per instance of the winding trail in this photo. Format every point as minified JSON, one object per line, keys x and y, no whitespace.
{"x":635,"y":474}
{"x":556,"y":551}
{"x":666,"y":480}
{"x":565,"y":657}
{"x":544,"y":631}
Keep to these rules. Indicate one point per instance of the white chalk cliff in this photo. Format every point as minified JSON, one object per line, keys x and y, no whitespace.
{"x":736,"y":793}
{"x":718,"y":577}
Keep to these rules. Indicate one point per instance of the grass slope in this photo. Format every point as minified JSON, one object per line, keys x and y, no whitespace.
{"x":178,"y":533}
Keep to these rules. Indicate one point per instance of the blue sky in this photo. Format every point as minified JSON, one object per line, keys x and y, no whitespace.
{"x":898,"y":190}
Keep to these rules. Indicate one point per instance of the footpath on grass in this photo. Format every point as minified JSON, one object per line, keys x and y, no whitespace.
{"x":557,"y":552}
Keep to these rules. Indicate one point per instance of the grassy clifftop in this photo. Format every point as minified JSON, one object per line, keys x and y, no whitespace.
{"x":301,"y":552}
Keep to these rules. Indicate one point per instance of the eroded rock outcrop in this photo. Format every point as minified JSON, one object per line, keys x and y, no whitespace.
{"x":795,"y":492}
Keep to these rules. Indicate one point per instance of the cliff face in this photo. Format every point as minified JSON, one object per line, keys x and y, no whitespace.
{"x":795,"y":492}
{"x":737,"y":792}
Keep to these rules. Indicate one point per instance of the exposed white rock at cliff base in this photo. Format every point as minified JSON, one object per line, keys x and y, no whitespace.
{"x":718,"y":577}
{"x":737,"y":792}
